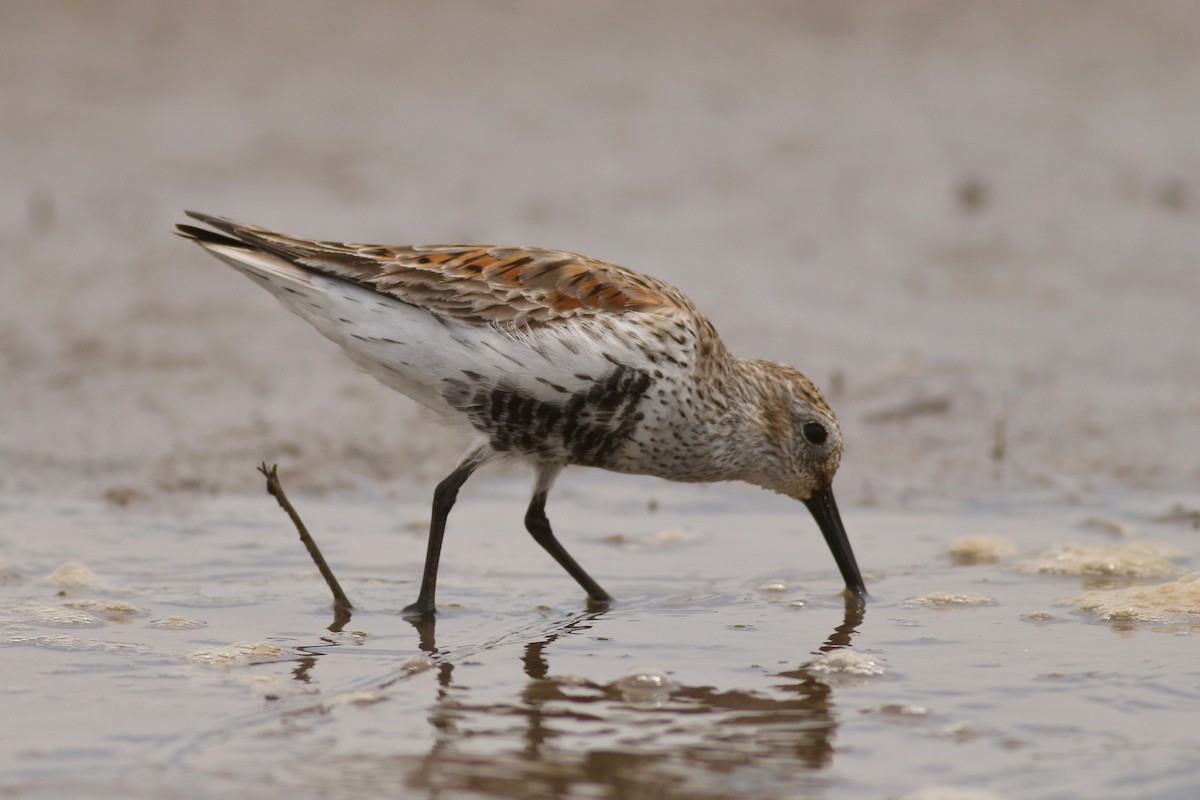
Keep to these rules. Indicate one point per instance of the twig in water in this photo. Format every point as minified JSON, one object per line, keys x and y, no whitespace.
{"x":275,"y":489}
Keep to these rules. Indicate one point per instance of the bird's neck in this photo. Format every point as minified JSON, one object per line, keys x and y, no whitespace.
{"x":728,"y":421}
{"x":754,"y":419}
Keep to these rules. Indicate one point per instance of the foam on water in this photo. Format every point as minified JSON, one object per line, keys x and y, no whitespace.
{"x":66,"y":642}
{"x":972,"y":550}
{"x":75,"y":577}
{"x":645,"y":686}
{"x":1133,"y":560}
{"x":414,"y":664}
{"x":47,"y":613}
{"x":236,"y":654}
{"x":846,"y":664}
{"x":117,"y":611}
{"x":1176,"y":601}
{"x":8,"y":573}
{"x":949,"y":600}
{"x":358,"y":699}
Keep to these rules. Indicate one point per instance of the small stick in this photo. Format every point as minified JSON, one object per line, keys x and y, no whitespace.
{"x":275,"y":489}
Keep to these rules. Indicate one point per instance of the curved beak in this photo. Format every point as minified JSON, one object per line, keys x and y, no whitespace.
{"x":825,"y":511}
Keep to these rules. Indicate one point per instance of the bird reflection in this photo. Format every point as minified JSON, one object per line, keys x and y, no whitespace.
{"x":574,"y":732}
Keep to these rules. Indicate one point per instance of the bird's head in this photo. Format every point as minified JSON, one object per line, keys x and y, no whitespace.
{"x":804,"y":440}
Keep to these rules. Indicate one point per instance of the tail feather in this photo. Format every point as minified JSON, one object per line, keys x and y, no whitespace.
{"x":245,"y":254}
{"x":205,"y":236}
{"x":239,"y":233}
{"x":328,"y":258}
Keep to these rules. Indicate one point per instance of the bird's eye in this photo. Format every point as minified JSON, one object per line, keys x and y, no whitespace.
{"x":815,"y":432}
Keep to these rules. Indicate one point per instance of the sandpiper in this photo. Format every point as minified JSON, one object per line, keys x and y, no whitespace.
{"x":553,"y":358}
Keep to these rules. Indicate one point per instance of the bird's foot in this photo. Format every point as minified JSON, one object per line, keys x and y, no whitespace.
{"x":419,"y":610}
{"x":599,"y":603}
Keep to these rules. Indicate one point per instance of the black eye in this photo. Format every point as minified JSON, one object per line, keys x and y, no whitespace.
{"x":815,"y":432}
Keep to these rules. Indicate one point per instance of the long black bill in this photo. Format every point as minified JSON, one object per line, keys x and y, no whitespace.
{"x":825,"y":511}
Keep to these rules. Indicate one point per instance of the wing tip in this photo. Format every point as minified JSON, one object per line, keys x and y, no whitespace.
{"x":204,"y":236}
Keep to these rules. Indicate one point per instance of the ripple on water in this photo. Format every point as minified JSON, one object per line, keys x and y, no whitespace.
{"x":664,"y":539}
{"x":948,"y":793}
{"x":177,"y":623}
{"x":898,"y":710}
{"x":670,"y":537}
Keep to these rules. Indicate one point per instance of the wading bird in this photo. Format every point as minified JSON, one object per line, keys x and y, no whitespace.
{"x":556,"y":359}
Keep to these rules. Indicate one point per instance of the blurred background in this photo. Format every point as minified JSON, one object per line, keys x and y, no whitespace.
{"x":976,"y":225}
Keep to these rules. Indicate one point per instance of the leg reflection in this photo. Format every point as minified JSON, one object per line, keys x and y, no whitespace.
{"x":426,"y":634}
{"x":852,"y":620}
{"x":575,"y":735}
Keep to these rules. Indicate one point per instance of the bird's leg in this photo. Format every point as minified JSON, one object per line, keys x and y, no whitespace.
{"x":538,"y":525}
{"x":443,"y":500}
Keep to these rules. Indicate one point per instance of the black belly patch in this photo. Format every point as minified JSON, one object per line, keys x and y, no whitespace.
{"x":586,"y":426}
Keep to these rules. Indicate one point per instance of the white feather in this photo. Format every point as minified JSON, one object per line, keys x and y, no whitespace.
{"x":420,"y":354}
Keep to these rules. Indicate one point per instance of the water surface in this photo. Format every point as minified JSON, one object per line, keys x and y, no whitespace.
{"x":196,"y":658}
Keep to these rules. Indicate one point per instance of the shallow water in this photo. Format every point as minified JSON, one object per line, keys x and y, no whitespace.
{"x":188,"y":652}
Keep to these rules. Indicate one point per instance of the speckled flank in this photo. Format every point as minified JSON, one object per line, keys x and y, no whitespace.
{"x":557,"y":359}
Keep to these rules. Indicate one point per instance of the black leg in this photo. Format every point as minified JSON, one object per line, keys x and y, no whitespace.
{"x":538,"y":525}
{"x":443,"y":500}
